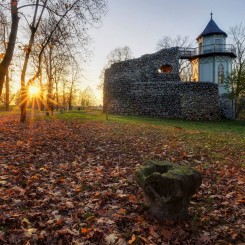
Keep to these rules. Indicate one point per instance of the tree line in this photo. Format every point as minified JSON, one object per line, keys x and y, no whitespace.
{"x":47,"y":41}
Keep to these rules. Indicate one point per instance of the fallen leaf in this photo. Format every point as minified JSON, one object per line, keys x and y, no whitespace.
{"x":167,"y":233}
{"x":30,"y":232}
{"x":69,"y":205}
{"x":121,"y":241}
{"x":133,"y":238}
{"x":111,"y":239}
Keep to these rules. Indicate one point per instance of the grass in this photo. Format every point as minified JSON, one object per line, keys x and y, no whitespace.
{"x":224,"y":136}
{"x":222,"y":126}
{"x":209,"y":126}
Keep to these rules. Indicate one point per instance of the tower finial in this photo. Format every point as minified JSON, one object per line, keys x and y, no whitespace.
{"x":211,"y":15}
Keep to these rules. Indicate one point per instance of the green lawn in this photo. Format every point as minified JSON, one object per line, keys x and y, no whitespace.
{"x":224,"y":126}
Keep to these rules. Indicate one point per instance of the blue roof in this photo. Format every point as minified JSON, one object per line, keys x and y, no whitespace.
{"x":211,"y":29}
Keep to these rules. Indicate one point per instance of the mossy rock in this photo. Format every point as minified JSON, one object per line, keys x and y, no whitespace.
{"x":168,"y":188}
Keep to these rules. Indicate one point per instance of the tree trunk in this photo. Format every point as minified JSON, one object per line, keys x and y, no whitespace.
{"x":23,"y":111}
{"x":70,"y":100}
{"x":56,"y":92}
{"x":11,"y":44}
{"x":50,"y":82}
{"x":7,"y":101}
{"x":41,"y":92}
{"x":69,"y":104}
{"x":24,"y":88}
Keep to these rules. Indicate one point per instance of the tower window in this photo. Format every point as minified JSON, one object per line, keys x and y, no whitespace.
{"x":165,"y":69}
{"x":220,"y":74}
{"x":218,"y":44}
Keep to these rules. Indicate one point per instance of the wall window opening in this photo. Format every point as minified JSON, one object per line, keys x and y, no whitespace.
{"x":165,"y":69}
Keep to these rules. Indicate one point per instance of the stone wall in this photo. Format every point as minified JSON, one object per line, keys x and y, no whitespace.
{"x":139,"y":87}
{"x":227,"y":107}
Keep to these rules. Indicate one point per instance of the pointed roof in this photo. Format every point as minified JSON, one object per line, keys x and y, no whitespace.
{"x":211,"y":29}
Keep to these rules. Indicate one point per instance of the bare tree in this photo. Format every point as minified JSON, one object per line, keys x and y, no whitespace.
{"x":4,"y":31}
{"x":87,"y":97}
{"x":61,"y":60}
{"x":79,"y":15}
{"x":236,"y":81}
{"x":73,"y":80}
{"x":119,"y":54}
{"x":116,"y":55}
{"x":4,"y":65}
{"x":182,"y":42}
{"x":71,"y":13}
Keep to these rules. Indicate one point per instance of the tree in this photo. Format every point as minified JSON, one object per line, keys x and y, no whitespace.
{"x":116,"y":55}
{"x":236,"y":81}
{"x":61,"y":60}
{"x":87,"y":97}
{"x":73,"y":81}
{"x":74,"y":14}
{"x":33,"y":28}
{"x":4,"y":65}
{"x":182,"y":42}
{"x":4,"y":28}
{"x":119,"y":54}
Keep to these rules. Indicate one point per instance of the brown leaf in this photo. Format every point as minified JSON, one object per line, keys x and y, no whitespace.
{"x":153,"y":233}
{"x":167,"y":233}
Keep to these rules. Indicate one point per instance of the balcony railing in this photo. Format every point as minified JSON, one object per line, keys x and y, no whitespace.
{"x":186,"y":53}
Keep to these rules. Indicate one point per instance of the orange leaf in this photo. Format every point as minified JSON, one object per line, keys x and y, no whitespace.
{"x":61,"y":180}
{"x":132,"y":239}
{"x":85,"y":230}
{"x":122,"y":211}
{"x":132,"y":198}
{"x":97,"y":194}
{"x":241,"y":201}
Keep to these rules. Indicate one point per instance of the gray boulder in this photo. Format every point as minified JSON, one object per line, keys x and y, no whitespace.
{"x":168,"y":188}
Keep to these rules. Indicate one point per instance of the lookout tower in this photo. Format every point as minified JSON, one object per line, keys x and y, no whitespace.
{"x":212,"y":59}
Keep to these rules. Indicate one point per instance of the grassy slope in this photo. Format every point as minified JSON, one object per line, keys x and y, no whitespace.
{"x":217,"y":138}
{"x":221,"y":126}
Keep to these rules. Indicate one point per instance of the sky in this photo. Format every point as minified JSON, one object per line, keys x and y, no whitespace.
{"x":140,"y":24}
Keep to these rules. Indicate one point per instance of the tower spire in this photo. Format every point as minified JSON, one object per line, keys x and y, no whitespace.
{"x":211,"y":15}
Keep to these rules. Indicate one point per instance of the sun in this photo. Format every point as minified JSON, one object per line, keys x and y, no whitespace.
{"x":33,"y":90}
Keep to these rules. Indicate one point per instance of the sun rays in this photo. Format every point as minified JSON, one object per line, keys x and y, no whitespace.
{"x":34,"y":98}
{"x":34,"y":91}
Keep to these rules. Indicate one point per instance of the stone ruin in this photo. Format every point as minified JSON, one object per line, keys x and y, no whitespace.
{"x":151,"y":86}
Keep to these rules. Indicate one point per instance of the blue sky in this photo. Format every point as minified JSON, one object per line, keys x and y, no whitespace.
{"x":140,"y":24}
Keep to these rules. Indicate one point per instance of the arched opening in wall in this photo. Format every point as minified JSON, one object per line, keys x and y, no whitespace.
{"x":165,"y":69}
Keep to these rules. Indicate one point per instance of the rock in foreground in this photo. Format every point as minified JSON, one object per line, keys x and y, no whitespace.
{"x":168,"y":188}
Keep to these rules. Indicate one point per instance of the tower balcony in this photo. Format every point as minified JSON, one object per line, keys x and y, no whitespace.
{"x":208,"y":50}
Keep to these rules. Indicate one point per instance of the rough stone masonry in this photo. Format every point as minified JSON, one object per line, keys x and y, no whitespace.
{"x":151,"y":86}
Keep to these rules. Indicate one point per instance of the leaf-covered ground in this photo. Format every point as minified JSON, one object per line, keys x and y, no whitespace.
{"x":72,"y":182}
